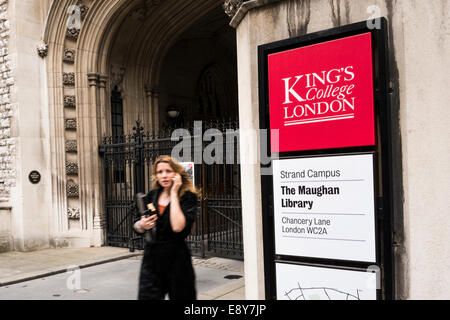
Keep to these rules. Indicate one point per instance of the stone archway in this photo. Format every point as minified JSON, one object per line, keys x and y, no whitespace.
{"x":81,"y":76}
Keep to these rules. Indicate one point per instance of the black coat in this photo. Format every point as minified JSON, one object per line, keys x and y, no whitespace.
{"x":164,"y":233}
{"x":167,"y":266}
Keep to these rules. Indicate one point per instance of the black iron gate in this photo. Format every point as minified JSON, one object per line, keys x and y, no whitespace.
{"x":128,"y":161}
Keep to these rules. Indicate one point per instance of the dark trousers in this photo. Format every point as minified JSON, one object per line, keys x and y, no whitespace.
{"x":167,"y":269}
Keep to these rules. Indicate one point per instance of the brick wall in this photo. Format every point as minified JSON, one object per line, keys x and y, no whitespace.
{"x":7,"y":144}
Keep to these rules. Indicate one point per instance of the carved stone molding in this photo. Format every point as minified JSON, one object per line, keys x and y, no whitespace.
{"x":83,"y":9}
{"x":71,"y":168}
{"x":70,"y":102}
{"x":117,"y":75}
{"x":93,"y":79}
{"x":42,"y":49}
{"x":69,"y":79}
{"x":71,"y":146}
{"x":73,"y":190}
{"x":142,"y":12}
{"x":152,"y":92}
{"x":148,"y":91}
{"x":70,"y":124}
{"x":69,"y":56}
{"x":73,"y":213}
{"x":232,"y":6}
{"x":73,"y":33}
{"x":102,"y":80}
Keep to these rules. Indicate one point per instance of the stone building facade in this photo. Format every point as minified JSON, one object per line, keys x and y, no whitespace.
{"x":7,"y":142}
{"x":61,"y":60}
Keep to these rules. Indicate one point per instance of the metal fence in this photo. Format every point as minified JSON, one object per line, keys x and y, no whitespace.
{"x":128,"y":162}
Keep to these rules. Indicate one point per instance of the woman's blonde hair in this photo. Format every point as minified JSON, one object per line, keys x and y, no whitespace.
{"x":187,"y":184}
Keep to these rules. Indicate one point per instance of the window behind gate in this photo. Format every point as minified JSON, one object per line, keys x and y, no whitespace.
{"x":117,"y":129}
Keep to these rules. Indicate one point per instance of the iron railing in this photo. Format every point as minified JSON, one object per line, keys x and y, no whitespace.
{"x":128,"y":162}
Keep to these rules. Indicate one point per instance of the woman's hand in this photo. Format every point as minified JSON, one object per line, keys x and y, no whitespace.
{"x":148,"y":223}
{"x":177,"y":183}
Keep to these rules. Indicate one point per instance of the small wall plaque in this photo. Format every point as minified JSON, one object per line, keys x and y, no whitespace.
{"x":34,"y":177}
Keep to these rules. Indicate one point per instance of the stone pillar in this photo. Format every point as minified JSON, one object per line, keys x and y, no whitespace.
{"x":99,"y":218}
{"x":93,"y":174}
{"x":155,"y":108}
{"x":250,"y":172}
{"x":416,"y":30}
{"x":104,"y":96}
{"x":148,"y":109}
{"x":87,"y":194}
{"x":90,"y":119}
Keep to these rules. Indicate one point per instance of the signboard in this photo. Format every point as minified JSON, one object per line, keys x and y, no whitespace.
{"x":324,"y":207}
{"x":298,"y":282}
{"x":189,"y":168}
{"x":324,"y":100}
{"x":322,"y":95}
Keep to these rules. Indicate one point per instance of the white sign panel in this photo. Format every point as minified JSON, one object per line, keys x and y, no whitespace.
{"x":296,"y":282}
{"x":324,"y":207}
{"x":189,"y":168}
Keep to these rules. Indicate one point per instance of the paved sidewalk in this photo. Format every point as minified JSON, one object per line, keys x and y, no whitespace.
{"x":16,"y":267}
{"x":234,"y":290}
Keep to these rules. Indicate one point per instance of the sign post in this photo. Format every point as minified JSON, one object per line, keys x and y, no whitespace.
{"x":326,"y":219}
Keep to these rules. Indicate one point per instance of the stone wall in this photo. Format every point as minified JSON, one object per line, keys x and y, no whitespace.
{"x":7,"y":144}
{"x":24,"y":103}
{"x":419,"y":46}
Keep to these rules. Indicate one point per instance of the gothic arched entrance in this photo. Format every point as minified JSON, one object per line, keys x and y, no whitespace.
{"x":145,"y":60}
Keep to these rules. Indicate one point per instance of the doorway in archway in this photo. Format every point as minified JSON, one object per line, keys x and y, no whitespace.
{"x":196,"y":87}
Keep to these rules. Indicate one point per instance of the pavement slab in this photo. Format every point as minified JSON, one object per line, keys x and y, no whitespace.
{"x":217,"y":278}
{"x":23,"y":266}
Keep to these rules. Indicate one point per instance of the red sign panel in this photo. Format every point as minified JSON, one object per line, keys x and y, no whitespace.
{"x":321,"y":96}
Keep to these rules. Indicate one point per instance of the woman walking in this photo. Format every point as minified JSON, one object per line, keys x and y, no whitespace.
{"x":167,"y":267}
